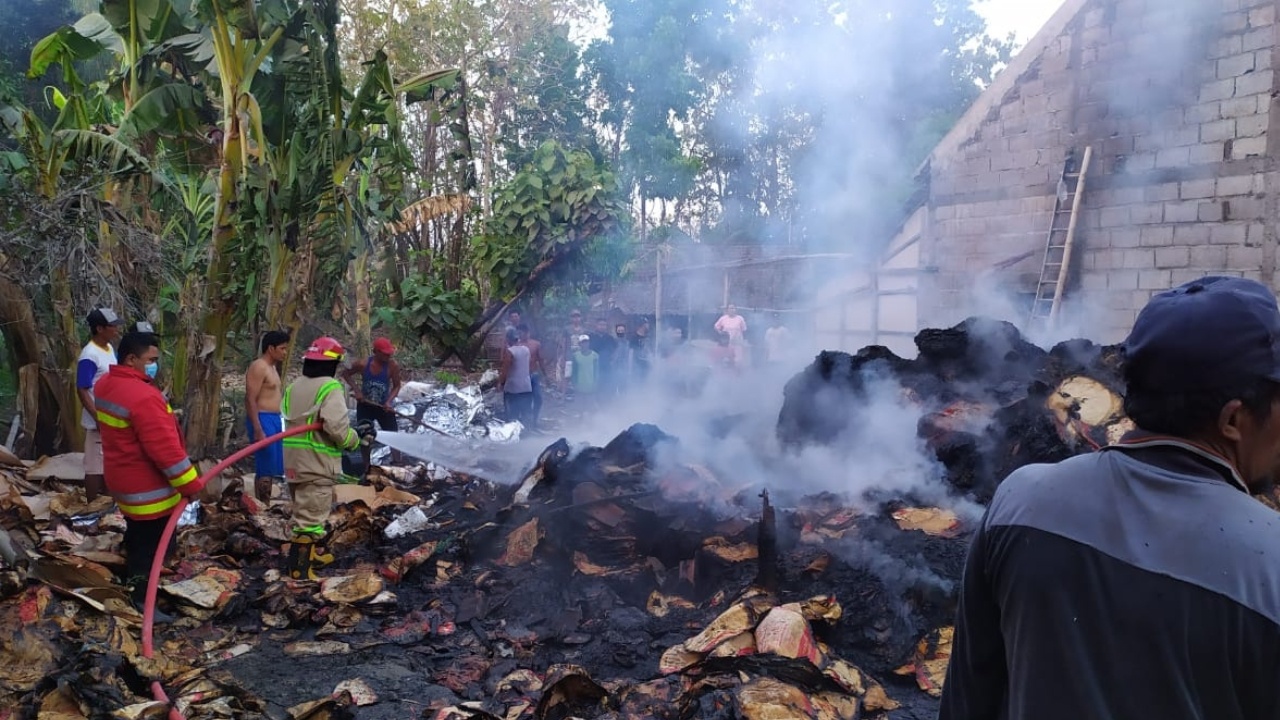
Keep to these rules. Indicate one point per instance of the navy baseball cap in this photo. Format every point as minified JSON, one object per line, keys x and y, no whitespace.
{"x":1204,"y":335}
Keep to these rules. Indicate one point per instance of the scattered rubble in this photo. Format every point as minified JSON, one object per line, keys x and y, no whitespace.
{"x":624,"y":581}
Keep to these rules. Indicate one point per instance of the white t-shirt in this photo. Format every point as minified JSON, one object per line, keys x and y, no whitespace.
{"x":102,"y":358}
{"x":775,"y":340}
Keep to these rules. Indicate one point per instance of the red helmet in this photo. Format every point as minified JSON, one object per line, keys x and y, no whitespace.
{"x":326,"y":348}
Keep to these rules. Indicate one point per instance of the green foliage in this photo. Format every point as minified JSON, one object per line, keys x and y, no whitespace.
{"x":444,"y":377}
{"x":427,"y":308}
{"x":549,"y":213}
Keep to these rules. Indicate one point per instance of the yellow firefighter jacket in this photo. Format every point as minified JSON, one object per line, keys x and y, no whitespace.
{"x":316,"y":455}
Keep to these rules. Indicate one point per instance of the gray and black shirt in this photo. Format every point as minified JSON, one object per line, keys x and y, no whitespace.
{"x":1138,"y":582}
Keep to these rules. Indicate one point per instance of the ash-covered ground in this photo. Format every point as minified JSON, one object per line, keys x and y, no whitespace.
{"x":677,"y":570}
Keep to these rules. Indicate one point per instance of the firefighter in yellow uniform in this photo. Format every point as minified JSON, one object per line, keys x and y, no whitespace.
{"x":313,"y":460}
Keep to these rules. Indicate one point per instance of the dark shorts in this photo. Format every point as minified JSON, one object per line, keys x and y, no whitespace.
{"x":384,"y":417}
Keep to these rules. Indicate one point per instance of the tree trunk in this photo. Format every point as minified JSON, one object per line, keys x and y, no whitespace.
{"x":46,"y":401}
{"x":207,"y":336}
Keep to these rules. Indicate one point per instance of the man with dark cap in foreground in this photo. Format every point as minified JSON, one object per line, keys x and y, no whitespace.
{"x":1142,"y":581}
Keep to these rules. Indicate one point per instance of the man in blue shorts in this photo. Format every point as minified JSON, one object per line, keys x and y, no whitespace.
{"x":262,"y":395}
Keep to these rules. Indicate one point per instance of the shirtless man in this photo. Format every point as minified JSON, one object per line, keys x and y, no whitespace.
{"x":262,"y":395}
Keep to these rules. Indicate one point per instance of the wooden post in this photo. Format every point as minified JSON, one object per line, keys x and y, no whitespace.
{"x":875,"y":306}
{"x":657,"y":296}
{"x":1071,"y":237}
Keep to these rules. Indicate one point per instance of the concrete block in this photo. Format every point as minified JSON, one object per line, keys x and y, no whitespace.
{"x":1262,"y":16}
{"x":1147,"y":214}
{"x":1180,"y":136}
{"x":1156,"y":236}
{"x":1226,"y":47}
{"x":1257,"y":234}
{"x":1173,"y":157}
{"x":1122,"y":280}
{"x":1227,"y":234}
{"x":1235,"y":22}
{"x":1118,"y":196}
{"x":1191,"y":234}
{"x":1248,"y":147}
{"x":1113,"y":217}
{"x":1248,"y":208}
{"x":1093,"y":282}
{"x":1235,"y":65}
{"x":1125,"y":238}
{"x":1239,"y":107}
{"x":1138,"y":259}
{"x":1208,"y":257}
{"x":1161,"y":192}
{"x":1251,"y":126}
{"x":1236,"y":185}
{"x":1218,"y":131}
{"x":1217,"y":90}
{"x":1178,"y":212}
{"x":1173,"y":257}
{"x":1196,"y":114}
{"x":1211,"y":212}
{"x":1141,"y":162}
{"x":1197,"y":189}
{"x":1244,"y":257}
{"x":1154,"y":280}
{"x":1207,"y":153}
{"x":1255,"y":83}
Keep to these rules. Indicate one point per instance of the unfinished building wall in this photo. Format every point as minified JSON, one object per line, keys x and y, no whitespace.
{"x":1174,"y":97}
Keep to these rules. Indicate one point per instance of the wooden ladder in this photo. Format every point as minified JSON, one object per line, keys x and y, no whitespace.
{"x":1062,"y":234}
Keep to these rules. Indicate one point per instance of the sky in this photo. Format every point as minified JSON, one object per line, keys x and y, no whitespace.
{"x":1020,"y":17}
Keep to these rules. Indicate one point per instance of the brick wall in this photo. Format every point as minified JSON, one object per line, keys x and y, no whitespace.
{"x":1174,"y":96}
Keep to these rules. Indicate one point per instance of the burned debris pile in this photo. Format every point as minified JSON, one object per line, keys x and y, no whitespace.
{"x":636,"y":580}
{"x":990,"y":401}
{"x":617,"y":582}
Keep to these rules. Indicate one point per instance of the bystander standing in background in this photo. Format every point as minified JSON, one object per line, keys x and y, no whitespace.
{"x":537,"y":372}
{"x":514,"y":379}
{"x":262,"y":394}
{"x":96,"y":359}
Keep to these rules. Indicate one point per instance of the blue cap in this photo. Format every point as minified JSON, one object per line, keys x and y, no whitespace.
{"x":1205,"y":335}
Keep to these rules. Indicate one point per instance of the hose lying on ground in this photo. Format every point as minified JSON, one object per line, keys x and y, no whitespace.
{"x":153,"y":581}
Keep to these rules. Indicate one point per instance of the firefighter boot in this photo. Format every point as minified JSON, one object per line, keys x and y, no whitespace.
{"x":299,"y":563}
{"x":305,"y":558}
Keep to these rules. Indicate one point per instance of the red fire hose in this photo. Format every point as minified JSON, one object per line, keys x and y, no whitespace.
{"x":153,"y":581}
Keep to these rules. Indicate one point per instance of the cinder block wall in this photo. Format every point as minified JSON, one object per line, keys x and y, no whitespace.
{"x":1174,"y":96}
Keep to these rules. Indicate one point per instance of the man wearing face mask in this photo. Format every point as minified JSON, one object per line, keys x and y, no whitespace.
{"x":147,"y":467}
{"x":1141,"y":581}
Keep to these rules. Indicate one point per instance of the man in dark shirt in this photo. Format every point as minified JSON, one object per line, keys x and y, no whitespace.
{"x":1142,"y":581}
{"x":606,"y":346}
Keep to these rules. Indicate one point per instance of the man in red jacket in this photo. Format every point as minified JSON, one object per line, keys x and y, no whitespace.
{"x":146,"y":465}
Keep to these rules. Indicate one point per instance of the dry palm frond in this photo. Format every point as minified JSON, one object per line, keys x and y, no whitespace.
{"x":428,"y":209}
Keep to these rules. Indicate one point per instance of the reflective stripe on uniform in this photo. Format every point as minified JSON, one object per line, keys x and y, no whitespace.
{"x":149,"y":508}
{"x":317,"y":530}
{"x":119,"y":411}
{"x":187,"y":477}
{"x":111,"y":420}
{"x":142,"y":498}
{"x":177,"y":468}
{"x":310,"y":440}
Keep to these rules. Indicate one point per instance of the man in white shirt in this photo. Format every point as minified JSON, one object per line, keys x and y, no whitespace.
{"x":96,"y":357}
{"x":776,"y":341}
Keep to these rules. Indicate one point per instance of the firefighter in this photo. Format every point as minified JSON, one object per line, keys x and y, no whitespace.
{"x":313,"y":460}
{"x":147,"y":467}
